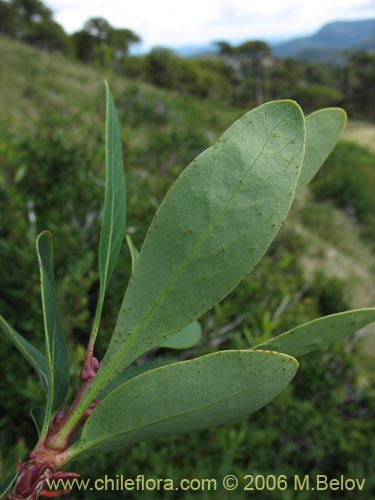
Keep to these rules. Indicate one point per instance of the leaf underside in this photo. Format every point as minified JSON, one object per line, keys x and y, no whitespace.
{"x":211,"y":229}
{"x":186,"y":338}
{"x":319,"y":332}
{"x":134,"y":371}
{"x":182,"y":397}
{"x":323,"y":129}
{"x":189,"y":336}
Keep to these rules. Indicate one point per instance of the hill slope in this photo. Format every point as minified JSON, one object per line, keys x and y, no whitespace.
{"x":34,"y":83}
{"x":331,"y":38}
{"x":160,"y":130}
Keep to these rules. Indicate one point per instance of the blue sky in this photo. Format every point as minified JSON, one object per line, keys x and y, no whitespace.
{"x":173,"y":23}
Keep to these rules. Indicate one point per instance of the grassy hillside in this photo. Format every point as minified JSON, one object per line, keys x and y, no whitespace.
{"x":34,"y":82}
{"x":155,"y":126}
{"x":51,"y":153}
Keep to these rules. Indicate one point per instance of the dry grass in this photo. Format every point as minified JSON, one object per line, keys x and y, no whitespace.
{"x":361,"y":132}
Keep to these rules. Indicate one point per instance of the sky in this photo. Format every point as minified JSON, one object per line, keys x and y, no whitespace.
{"x":173,"y":23}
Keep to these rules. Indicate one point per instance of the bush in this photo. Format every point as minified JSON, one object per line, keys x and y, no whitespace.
{"x":347,"y":179}
{"x":313,"y":96}
{"x":47,"y":177}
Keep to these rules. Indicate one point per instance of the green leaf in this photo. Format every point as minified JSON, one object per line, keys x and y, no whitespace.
{"x":319,"y":332}
{"x":182,"y":397}
{"x":55,"y":341}
{"x":114,"y":216}
{"x":134,"y":371}
{"x":134,"y":254}
{"x":212,"y":228}
{"x":6,"y":485}
{"x":37,"y":360}
{"x":186,"y":338}
{"x":323,"y":129}
{"x":37,"y":415}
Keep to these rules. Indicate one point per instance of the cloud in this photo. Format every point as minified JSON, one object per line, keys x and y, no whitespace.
{"x":173,"y":23}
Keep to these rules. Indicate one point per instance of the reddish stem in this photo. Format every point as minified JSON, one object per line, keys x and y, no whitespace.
{"x":89,"y":370}
{"x":34,"y":475}
{"x":31,"y":480}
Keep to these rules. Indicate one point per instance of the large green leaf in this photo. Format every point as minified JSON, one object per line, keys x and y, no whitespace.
{"x":135,"y":371}
{"x":319,"y":333}
{"x":37,"y":360}
{"x":187,"y":338}
{"x":211,"y":229}
{"x":113,"y":224}
{"x":323,"y":129}
{"x":55,"y":341}
{"x":187,"y":396}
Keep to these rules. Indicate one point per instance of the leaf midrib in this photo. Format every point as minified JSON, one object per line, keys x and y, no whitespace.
{"x":132,"y":337}
{"x":110,"y":168}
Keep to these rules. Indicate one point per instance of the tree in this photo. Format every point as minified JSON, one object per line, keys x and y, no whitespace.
{"x":359,"y":83}
{"x":31,"y":21}
{"x":120,"y":41}
{"x":84,"y":45}
{"x":286,"y":76}
{"x":99,"y":28}
{"x":8,"y":21}
{"x":224,"y":48}
{"x":161,"y":67}
{"x":31,"y":11}
{"x":255,"y":58}
{"x":99,"y":41}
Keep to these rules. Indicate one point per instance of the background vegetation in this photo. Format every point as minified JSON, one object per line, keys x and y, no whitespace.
{"x":51,"y":156}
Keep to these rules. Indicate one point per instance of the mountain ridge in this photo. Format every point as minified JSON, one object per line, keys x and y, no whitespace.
{"x":337,"y":35}
{"x":325,"y":45}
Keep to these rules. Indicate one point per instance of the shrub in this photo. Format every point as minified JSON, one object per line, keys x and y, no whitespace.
{"x":181,"y":230}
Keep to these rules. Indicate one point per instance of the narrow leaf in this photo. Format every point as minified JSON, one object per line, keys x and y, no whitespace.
{"x":37,"y":414}
{"x":37,"y":360}
{"x":319,"y":333}
{"x":134,"y":254}
{"x":113,"y":224}
{"x":182,"y":397}
{"x":56,"y":349}
{"x":6,"y":485}
{"x":186,"y":338}
{"x":212,"y":228}
{"x":323,"y":129}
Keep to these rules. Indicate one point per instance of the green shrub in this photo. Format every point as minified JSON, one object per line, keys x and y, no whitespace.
{"x":317,"y":96}
{"x":262,"y":296}
{"x":348,"y":180}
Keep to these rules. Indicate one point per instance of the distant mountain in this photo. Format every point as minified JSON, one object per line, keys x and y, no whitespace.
{"x":326,"y":44}
{"x":195,"y":50}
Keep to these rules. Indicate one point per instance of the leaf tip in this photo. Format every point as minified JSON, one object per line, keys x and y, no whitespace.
{"x":46,"y":233}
